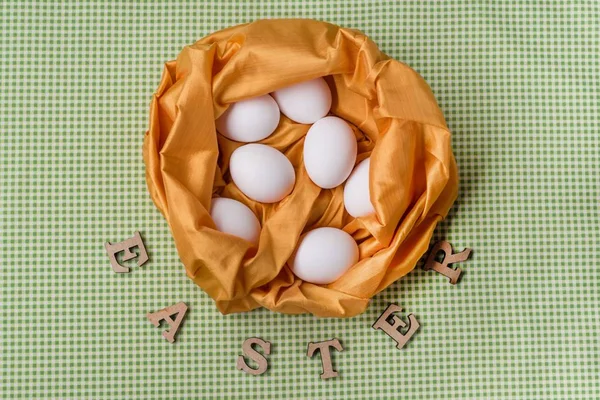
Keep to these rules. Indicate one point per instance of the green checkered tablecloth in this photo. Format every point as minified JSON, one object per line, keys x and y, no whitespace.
{"x":519,"y":84}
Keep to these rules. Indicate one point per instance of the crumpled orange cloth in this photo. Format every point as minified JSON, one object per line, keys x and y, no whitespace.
{"x":396,"y":120}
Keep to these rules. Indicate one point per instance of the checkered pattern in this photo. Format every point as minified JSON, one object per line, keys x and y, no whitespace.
{"x":519,"y":85}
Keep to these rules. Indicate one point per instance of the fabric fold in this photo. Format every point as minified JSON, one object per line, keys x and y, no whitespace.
{"x":396,"y":121}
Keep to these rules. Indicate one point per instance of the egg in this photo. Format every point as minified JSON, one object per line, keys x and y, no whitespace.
{"x":232,"y":217}
{"x":329,"y":152}
{"x":304,"y":102}
{"x":357,"y":198}
{"x":323,"y":255}
{"x":262,"y":173}
{"x":249,"y":120}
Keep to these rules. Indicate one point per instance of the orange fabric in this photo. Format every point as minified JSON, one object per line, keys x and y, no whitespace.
{"x":397,"y":122}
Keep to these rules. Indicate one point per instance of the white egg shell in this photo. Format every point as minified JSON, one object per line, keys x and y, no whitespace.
{"x":249,"y":120}
{"x":324,"y":255}
{"x":232,"y":217}
{"x":262,"y":173}
{"x":304,"y":102}
{"x":329,"y":152}
{"x":357,"y":199}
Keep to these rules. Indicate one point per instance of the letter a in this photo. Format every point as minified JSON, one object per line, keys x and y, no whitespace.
{"x":392,"y":329}
{"x":165,"y":314}
{"x":113,"y":249}
{"x":449,"y":258}
{"x":255,"y":356}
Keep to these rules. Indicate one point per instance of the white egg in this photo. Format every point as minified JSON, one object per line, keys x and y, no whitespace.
{"x":324,"y":255}
{"x":232,"y":217}
{"x":249,"y":120}
{"x":304,"y":102}
{"x":357,"y":198}
{"x":329,"y":152}
{"x":262,"y":173}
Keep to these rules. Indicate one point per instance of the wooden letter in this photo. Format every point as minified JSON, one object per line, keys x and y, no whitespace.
{"x":449,"y":258}
{"x":328,"y":371}
{"x":166,"y":313}
{"x":255,"y":356}
{"x":113,"y":249}
{"x":392,"y":328}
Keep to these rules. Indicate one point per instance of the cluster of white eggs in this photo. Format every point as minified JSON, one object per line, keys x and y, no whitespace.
{"x":265,"y":175}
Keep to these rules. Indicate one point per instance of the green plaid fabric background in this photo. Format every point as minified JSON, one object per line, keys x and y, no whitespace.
{"x":519,"y":84}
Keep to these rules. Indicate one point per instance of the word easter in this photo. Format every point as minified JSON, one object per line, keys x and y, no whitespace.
{"x":387,"y":322}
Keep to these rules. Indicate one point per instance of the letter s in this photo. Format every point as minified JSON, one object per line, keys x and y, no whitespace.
{"x":255,"y":356}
